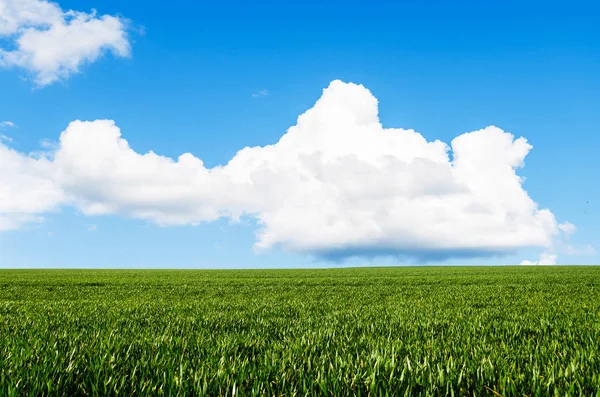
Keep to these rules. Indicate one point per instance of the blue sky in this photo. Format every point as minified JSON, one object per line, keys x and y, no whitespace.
{"x":211,"y":79}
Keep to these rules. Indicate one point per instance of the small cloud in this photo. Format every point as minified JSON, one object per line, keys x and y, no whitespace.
{"x":49,"y":234}
{"x":48,"y":144}
{"x":567,"y":228}
{"x":52,"y":44}
{"x":91,"y":228}
{"x":584,"y":249}
{"x":260,"y":93}
{"x":546,"y":259}
{"x":5,"y":125}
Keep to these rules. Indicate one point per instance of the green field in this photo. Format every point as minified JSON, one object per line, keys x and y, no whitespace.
{"x":508,"y":331}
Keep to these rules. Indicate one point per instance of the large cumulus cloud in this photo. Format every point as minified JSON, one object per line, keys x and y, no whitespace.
{"x":336,"y":184}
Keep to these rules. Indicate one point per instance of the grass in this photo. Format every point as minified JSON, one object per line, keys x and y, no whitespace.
{"x":509,"y":331}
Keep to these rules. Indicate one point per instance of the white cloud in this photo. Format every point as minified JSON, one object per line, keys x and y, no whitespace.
{"x":16,"y":14}
{"x":336,"y":184}
{"x":52,"y":43}
{"x":549,"y":257}
{"x":27,"y":189}
{"x":583,"y":249}
{"x":91,"y":228}
{"x":546,"y":259}
{"x":48,"y":144}
{"x":567,"y":228}
{"x":260,"y":93}
{"x":5,"y":124}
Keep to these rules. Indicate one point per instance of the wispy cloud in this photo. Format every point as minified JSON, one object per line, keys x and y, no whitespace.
{"x":568,"y":228}
{"x":91,"y":228}
{"x":584,"y":249}
{"x":4,"y":125}
{"x":48,"y":144}
{"x":260,"y":93}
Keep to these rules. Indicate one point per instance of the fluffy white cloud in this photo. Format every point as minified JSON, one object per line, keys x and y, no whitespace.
{"x":16,"y":14}
{"x":336,"y":184}
{"x":52,"y":43}
{"x":546,"y":259}
{"x":27,"y":189}
{"x":116,"y":179}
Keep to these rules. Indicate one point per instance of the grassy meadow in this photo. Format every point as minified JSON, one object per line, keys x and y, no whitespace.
{"x":414,"y":331}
